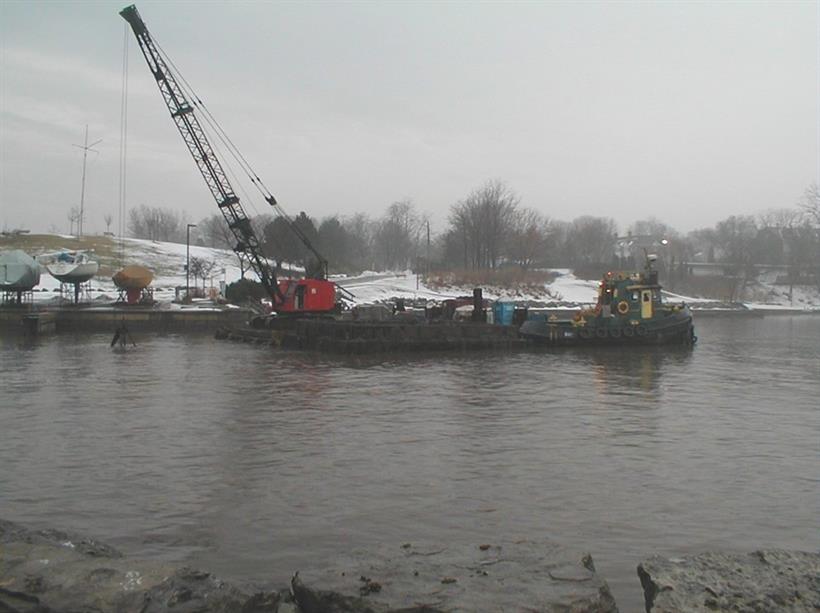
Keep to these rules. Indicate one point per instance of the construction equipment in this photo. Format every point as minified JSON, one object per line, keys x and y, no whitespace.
{"x":292,"y":296}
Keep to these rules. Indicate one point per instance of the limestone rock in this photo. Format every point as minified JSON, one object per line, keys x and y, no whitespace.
{"x":509,"y":576}
{"x":50,"y":571}
{"x":758,"y":582}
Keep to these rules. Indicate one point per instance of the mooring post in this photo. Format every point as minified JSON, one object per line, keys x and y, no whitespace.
{"x":478,"y":305}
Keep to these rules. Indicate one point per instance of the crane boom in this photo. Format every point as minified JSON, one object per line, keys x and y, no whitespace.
{"x":182,"y":112}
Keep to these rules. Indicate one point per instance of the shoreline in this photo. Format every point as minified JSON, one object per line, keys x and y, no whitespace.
{"x":52,"y":571}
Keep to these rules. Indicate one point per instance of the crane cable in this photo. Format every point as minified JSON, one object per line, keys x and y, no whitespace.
{"x":234,"y":152}
{"x":123,"y":143}
{"x":218,"y":131}
{"x":222,"y":135}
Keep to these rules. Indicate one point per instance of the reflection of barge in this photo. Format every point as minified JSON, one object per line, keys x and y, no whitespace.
{"x":629,"y":311}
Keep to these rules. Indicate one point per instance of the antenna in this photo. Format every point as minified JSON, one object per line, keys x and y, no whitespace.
{"x":86,"y":148}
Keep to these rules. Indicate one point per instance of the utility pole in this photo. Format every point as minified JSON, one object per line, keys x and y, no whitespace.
{"x":188,"y":260}
{"x":428,"y":250}
{"x":86,"y":148}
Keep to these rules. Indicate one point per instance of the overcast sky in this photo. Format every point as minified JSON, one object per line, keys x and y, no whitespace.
{"x":686,"y":111}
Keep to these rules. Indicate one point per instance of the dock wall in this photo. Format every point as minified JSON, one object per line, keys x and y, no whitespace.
{"x":34,"y":321}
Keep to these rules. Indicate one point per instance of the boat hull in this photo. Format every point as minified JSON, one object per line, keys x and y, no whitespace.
{"x":673,"y":329}
{"x":133,"y":278}
{"x":19,"y":272}
{"x":70,"y":272}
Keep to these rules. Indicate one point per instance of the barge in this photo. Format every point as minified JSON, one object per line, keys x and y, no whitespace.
{"x":360,"y":337}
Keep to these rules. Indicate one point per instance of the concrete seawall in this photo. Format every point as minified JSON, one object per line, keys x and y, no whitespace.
{"x":98,"y":319}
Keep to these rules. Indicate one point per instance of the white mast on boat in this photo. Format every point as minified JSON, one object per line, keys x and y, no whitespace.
{"x":86,"y":148}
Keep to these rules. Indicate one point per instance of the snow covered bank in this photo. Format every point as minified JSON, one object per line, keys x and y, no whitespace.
{"x":565,"y":290}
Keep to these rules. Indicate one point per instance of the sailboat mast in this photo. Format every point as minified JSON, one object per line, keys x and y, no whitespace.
{"x":86,"y":148}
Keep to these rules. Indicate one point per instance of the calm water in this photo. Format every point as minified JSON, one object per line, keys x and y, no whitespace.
{"x":254,"y":463}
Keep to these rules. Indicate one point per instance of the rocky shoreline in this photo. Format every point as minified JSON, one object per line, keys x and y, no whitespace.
{"x":51,"y":571}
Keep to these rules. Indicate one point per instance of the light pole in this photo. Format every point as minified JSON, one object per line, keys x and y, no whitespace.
{"x":668,"y":261}
{"x":188,"y":260}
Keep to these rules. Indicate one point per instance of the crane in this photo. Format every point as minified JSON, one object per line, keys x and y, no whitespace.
{"x":289,"y":296}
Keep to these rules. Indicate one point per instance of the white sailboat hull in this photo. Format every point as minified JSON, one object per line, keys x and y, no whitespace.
{"x":70,"y":272}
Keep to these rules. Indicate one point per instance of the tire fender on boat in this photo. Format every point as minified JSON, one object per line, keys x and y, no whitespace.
{"x":600,"y":332}
{"x":640,"y":330}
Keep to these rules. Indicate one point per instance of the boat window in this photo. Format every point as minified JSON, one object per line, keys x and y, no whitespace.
{"x":634,"y":296}
{"x":646,"y":297}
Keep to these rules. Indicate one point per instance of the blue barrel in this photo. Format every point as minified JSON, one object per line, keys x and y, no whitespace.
{"x":503,"y":313}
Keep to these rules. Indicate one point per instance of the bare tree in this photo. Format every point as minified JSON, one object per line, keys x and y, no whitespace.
{"x":396,"y":235}
{"x":108,"y":218}
{"x":200,"y":268}
{"x":482,"y":222}
{"x":736,"y":235}
{"x":215,"y":232}
{"x":527,"y":239}
{"x":591,"y":240}
{"x":73,"y":218}
{"x":361,"y":230}
{"x":157,"y":223}
{"x":810,"y":203}
{"x":205,"y":270}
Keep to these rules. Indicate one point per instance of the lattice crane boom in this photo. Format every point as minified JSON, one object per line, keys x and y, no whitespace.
{"x":182,"y":112}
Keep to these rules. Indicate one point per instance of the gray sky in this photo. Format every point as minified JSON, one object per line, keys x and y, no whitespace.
{"x":686,"y":111}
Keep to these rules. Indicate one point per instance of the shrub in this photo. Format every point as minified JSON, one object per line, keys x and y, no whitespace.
{"x":245,"y":290}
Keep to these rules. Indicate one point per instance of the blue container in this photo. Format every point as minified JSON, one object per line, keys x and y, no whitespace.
{"x":503,"y":313}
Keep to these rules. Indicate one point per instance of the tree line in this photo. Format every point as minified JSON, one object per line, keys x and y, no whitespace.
{"x":490,"y":228}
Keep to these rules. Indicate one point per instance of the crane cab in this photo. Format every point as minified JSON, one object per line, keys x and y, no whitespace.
{"x":306,"y":296}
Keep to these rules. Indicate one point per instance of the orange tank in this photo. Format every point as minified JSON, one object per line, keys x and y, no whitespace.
{"x":133,"y":277}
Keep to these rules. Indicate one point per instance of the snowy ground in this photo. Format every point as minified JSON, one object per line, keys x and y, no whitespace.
{"x":167,"y":260}
{"x":375,"y":287}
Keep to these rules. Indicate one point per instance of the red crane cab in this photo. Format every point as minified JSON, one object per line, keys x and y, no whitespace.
{"x":305,"y":296}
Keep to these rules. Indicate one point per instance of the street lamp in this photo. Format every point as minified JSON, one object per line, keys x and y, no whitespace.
{"x":188,"y":260}
{"x":668,"y":262}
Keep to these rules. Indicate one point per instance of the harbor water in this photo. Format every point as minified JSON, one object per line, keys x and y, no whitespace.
{"x":254,"y":463}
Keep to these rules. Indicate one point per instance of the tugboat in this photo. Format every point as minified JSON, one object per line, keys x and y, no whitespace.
{"x":629,"y":311}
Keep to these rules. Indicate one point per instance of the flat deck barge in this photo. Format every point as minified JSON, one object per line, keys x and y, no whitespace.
{"x":357,"y":337}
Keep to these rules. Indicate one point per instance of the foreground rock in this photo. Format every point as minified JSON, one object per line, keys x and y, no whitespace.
{"x":762,"y":581}
{"x":50,"y":571}
{"x":519,"y":576}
